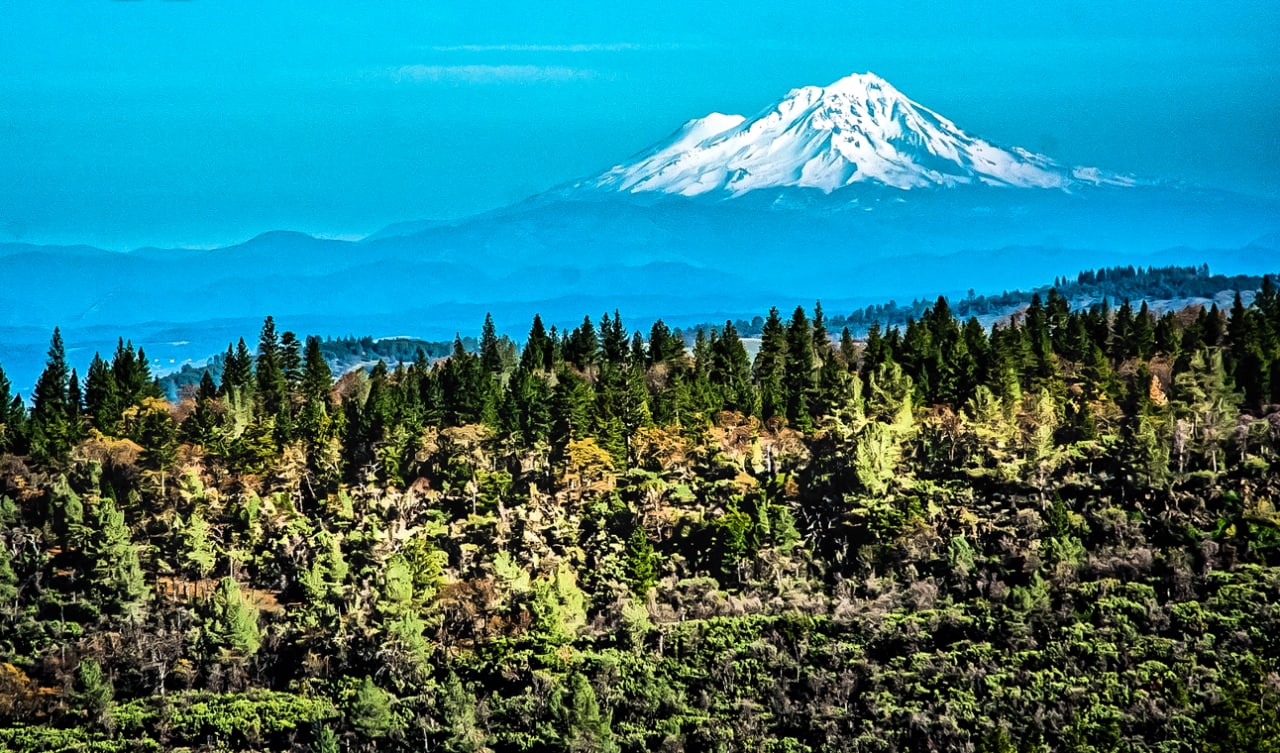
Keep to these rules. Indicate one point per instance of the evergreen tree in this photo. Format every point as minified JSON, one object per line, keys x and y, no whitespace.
{"x":582,"y":347}
{"x":272,"y":389}
{"x":572,"y":409}
{"x":232,"y":622}
{"x":13,"y":419}
{"x":490,"y":353}
{"x":664,"y":345}
{"x":51,"y":427}
{"x":1144,"y":334}
{"x":731,"y":372}
{"x":237,"y":369}
{"x":291,"y":360}
{"x":848,"y":349}
{"x":589,"y":730}
{"x":770,"y":367}
{"x":102,"y":396}
{"x":537,"y":352}
{"x":8,"y":581}
{"x":92,"y":691}
{"x":197,"y":546}
{"x":642,"y":563}
{"x":799,"y":380}
{"x":132,"y":373}
{"x":467,"y":397}
{"x":115,"y":574}
{"x":370,"y":711}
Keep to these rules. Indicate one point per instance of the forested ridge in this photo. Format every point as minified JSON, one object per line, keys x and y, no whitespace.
{"x":1060,"y":534}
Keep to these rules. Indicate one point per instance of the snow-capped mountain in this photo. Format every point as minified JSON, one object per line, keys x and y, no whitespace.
{"x":859,"y":129}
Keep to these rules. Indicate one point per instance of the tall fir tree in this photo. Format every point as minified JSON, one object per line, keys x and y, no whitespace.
{"x":798,"y":380}
{"x":51,"y":427}
{"x":770,"y":367}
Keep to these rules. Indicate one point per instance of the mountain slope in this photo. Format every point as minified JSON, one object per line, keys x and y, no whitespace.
{"x":859,"y":129}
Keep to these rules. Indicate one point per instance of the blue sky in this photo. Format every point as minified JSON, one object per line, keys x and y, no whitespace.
{"x":125,"y":124}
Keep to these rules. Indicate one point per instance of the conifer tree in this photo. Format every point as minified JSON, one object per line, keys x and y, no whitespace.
{"x":13,"y":418}
{"x":237,"y":369}
{"x":102,"y":396}
{"x":370,"y":711}
{"x":614,"y":344}
{"x":8,"y":583}
{"x":92,"y":690}
{"x":52,"y":431}
{"x":731,"y":372}
{"x":131,"y":371}
{"x":770,"y":367}
{"x":848,"y":350}
{"x":664,"y":345}
{"x":197,"y":546}
{"x":876,"y":351}
{"x":232,"y":623}
{"x":490,"y":354}
{"x":641,"y":563}
{"x":271,"y":386}
{"x":799,"y":375}
{"x":115,"y":574}
{"x":291,"y":360}
{"x":588,"y":728}
{"x":537,"y":352}
{"x":581,"y":348}
{"x":1144,"y":334}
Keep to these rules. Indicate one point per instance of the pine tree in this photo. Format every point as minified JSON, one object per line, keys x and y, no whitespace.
{"x":582,"y":347}
{"x":291,"y":360}
{"x":664,"y":345}
{"x":614,"y":344}
{"x":642,"y":563}
{"x":490,"y":354}
{"x":232,"y":623}
{"x":13,"y":419}
{"x":131,"y":371}
{"x":589,"y":730}
{"x":1144,"y":334}
{"x":731,"y":372}
{"x":92,"y":691}
{"x":52,"y":432}
{"x":537,"y":352}
{"x":197,"y":546}
{"x":102,"y":396}
{"x":770,"y":367}
{"x":467,"y":399}
{"x":115,"y":575}
{"x":272,"y":389}
{"x":798,"y":380}
{"x":572,"y":409}
{"x":324,"y":741}
{"x":237,"y":369}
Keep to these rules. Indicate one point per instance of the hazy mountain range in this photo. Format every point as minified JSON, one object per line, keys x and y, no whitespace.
{"x":851,"y":193}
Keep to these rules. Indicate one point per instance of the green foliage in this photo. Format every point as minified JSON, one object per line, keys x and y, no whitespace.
{"x":642,"y":563}
{"x":232,"y":622}
{"x":115,"y":573}
{"x":369,"y":710}
{"x":1058,"y":535}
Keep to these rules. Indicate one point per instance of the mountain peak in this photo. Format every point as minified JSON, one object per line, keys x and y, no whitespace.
{"x":858,"y":129}
{"x":860,"y":84}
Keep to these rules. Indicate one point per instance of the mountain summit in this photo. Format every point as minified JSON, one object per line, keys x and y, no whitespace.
{"x":859,"y":129}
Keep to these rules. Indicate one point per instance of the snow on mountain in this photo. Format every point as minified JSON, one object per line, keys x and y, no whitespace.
{"x":859,"y":129}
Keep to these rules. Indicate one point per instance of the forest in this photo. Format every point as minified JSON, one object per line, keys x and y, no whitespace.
{"x":1057,"y":534}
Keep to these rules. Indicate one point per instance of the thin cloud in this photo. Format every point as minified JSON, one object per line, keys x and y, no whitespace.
{"x":489,"y":74}
{"x":592,"y":47}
